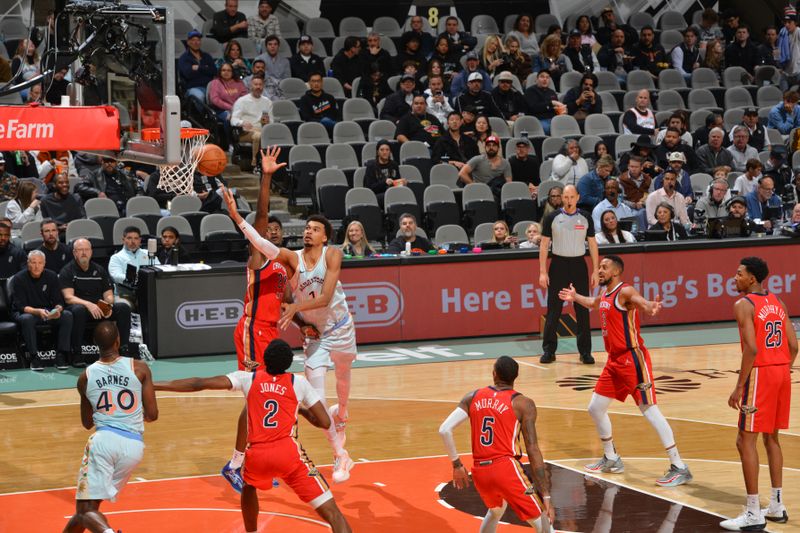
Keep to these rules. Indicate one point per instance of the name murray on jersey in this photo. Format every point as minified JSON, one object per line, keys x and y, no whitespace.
{"x":769,"y":309}
{"x":491,"y":403}
{"x":112,"y":379}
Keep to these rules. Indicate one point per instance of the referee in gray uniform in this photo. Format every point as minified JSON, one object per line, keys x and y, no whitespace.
{"x":568,"y":229}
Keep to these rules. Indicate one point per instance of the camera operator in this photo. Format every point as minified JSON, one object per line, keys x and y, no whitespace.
{"x":777,"y":167}
{"x":112,"y":181}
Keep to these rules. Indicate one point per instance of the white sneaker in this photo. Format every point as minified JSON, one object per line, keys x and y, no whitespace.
{"x":775,"y":514}
{"x":341,"y":467}
{"x":746,"y":521}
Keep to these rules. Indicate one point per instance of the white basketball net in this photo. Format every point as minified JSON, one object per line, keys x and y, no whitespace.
{"x":179,"y":179}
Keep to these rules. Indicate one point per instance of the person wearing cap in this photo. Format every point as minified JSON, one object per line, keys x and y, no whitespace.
{"x":382,"y":172}
{"x":609,"y":25}
{"x":410,"y":51}
{"x":460,"y":41}
{"x":640,"y":119}
{"x":398,"y":104}
{"x":510,"y":102}
{"x":581,"y":56}
{"x":265,"y":23}
{"x":714,"y":203}
{"x":478,"y":98}
{"x":667,"y":194}
{"x":305,"y":62}
{"x":745,"y":183}
{"x":760,"y":198}
{"x":592,"y":184}
{"x":785,"y":116}
{"x":490,"y":168}
{"x":740,"y":150}
{"x":543,"y":101}
{"x":617,"y":56}
{"x":737,"y":207}
{"x":742,"y":52}
{"x":196,"y":68}
{"x":686,"y":56}
{"x":318,"y":106}
{"x":777,"y":167}
{"x":416,"y":29}
{"x":758,"y":133}
{"x":649,"y":55}
{"x":229,"y":23}
{"x":419,"y":125}
{"x":525,"y":166}
{"x":713,"y":155}
{"x":460,"y":80}
{"x":677,"y":162}
{"x":109,"y":181}
{"x":583,"y":100}
{"x":8,"y":182}
{"x":644,"y":148}
{"x":454,"y":147}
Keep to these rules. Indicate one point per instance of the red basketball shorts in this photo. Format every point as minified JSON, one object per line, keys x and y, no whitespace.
{"x":285,"y":459}
{"x":505,"y":480}
{"x":251,"y":337}
{"x":766,"y":399}
{"x":628,"y":374}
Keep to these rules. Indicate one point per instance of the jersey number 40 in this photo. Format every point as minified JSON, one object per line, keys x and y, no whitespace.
{"x":125,"y":400}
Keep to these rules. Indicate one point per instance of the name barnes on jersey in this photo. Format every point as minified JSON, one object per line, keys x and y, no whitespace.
{"x":310,"y":281}
{"x":112,"y":379}
{"x":491,"y":403}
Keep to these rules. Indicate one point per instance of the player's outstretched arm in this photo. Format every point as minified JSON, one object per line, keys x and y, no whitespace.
{"x":630,"y":295}
{"x":459,"y":415}
{"x":269,"y":166}
{"x":149,"y":403}
{"x":194,"y":384}
{"x":571,"y":295}
{"x":333,"y":262}
{"x":525,"y":410}
{"x":743,"y":311}
{"x":317,"y":415}
{"x":86,"y":406}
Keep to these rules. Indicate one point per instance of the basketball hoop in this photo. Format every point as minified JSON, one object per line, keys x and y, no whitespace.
{"x":179,"y":178}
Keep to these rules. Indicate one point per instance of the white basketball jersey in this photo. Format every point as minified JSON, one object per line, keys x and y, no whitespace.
{"x":307,"y":285}
{"x":116,"y":395}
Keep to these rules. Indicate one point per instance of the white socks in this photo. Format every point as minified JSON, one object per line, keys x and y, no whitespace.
{"x":237,"y":459}
{"x":598,"y":410}
{"x":609,"y":450}
{"x":752,"y":504}
{"x":776,"y":499}
{"x":653,"y":415}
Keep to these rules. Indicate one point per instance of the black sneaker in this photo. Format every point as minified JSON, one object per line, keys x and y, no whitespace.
{"x":547,"y":358}
{"x":36,"y":364}
{"x":587,"y":359}
{"x":61,"y":361}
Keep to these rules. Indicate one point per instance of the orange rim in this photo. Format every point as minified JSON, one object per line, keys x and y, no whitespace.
{"x":154,"y":134}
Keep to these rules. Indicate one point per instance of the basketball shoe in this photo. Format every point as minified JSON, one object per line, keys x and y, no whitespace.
{"x":342,"y":464}
{"x":675,"y":476}
{"x":233,"y":476}
{"x":606,"y":466}
{"x":746,"y":521}
{"x":776,"y":514}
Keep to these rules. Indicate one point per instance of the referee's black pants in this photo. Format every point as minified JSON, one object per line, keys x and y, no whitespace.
{"x":562,"y":272}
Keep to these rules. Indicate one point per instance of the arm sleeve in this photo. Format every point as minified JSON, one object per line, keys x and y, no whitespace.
{"x":261,"y":244}
{"x":456,"y":418}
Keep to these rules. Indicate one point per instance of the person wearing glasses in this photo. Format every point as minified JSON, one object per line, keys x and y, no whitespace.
{"x":714,"y":203}
{"x":760,"y":198}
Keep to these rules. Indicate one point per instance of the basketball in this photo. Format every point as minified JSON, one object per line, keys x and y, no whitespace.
{"x":212,"y":160}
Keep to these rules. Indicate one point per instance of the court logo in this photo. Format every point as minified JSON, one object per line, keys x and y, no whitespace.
{"x":374,"y":304}
{"x":209,"y":314}
{"x":664,"y":384}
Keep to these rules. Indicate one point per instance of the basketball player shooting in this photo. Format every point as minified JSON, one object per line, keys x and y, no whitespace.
{"x":628,"y":371}
{"x":496,"y":415}
{"x":330,"y":339}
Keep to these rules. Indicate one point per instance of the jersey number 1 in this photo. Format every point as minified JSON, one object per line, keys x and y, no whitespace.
{"x":774,"y":337}
{"x":487,"y":431}
{"x":271,"y":408}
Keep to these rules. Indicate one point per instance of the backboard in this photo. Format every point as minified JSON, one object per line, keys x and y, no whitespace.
{"x":124,"y":55}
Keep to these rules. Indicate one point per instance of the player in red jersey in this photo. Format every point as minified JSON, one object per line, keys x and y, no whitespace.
{"x":274,"y":398}
{"x":628,"y":371}
{"x":496,"y":415}
{"x":763,"y":391}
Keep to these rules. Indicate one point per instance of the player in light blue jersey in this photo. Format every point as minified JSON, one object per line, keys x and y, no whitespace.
{"x":117,"y":398}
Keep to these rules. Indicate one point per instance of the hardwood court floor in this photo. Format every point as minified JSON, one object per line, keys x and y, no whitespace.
{"x":395,"y":413}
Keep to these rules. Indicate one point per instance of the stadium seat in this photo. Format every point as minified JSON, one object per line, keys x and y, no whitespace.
{"x":350,"y":133}
{"x":285,"y":112}
{"x":358,"y":177}
{"x":86,"y":229}
{"x":516,"y":202}
{"x":768,"y":96}
{"x":624,"y":143}
{"x":700,"y":182}
{"x":737,"y":97}
{"x":31,"y":235}
{"x":698,"y":118}
{"x":669,"y":100}
{"x":704,"y":78}
{"x":103,"y":211}
{"x":640,"y":19}
{"x":732,"y":117}
{"x":315,"y":134}
{"x":483,"y":233}
{"x":450,"y":234}
{"x":669,"y":39}
{"x":333,"y":87}
{"x":342,"y":157}
{"x":528,"y":124}
{"x":279,"y":135}
{"x":607,"y":81}
{"x":544,"y":189}
{"x":331,"y":187}
{"x":551,"y":146}
{"x":702,"y":99}
{"x":380,"y":130}
{"x":440,"y":207}
{"x":352,"y":26}
{"x":732,"y":77}
{"x":483,"y":25}
{"x":293,"y":88}
{"x":146,"y":208}
{"x":319,"y":27}
{"x":598,"y":124}
{"x":520,"y":227}
{"x":289,"y":28}
{"x":570,"y":80}
{"x":671,"y":20}
{"x":360,"y":111}
{"x":362,"y":205}
{"x":183,"y":203}
{"x":179,"y":223}
{"x":499,"y":127}
{"x":444,"y":174}
{"x":304,"y":163}
{"x":396,"y":201}
{"x":417,"y":154}
{"x":387,"y":26}
{"x":120,"y":225}
{"x":546,"y":169}
{"x":670,"y":78}
{"x":587,"y":143}
{"x":368,"y":152}
{"x":415,"y":180}
{"x":478,"y":205}
{"x":218,"y":227}
{"x":638,"y":80}
{"x":544,"y":21}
